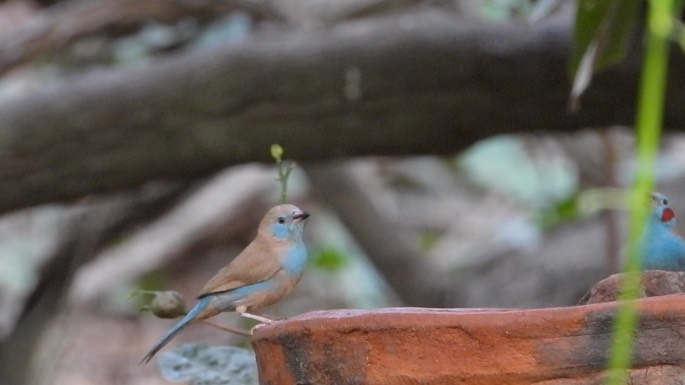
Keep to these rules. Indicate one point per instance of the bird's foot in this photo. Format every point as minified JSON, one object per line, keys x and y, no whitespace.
{"x":257,"y":326}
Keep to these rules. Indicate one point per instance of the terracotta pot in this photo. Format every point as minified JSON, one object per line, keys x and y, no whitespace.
{"x":397,"y":346}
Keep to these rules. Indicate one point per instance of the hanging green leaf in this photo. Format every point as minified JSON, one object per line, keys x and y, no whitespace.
{"x":601,"y":35}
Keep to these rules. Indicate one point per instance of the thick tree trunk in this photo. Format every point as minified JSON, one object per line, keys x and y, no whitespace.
{"x":412,"y":84}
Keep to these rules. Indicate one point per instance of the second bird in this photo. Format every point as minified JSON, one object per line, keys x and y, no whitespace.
{"x":663,"y":248}
{"x":263,"y":274}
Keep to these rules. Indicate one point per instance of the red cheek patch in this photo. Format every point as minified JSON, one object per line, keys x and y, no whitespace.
{"x":667,"y":215}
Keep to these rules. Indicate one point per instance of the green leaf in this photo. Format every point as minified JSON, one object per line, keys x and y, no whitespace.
{"x":329,"y":259}
{"x":205,"y":365}
{"x":601,"y":36}
{"x":648,"y":128}
{"x":428,"y":239}
{"x":276,"y":152}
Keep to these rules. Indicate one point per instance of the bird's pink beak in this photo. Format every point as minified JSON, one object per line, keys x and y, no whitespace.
{"x":667,"y":215}
{"x":299,"y":216}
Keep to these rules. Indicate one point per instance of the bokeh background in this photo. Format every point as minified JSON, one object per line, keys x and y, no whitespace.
{"x":431,"y":144}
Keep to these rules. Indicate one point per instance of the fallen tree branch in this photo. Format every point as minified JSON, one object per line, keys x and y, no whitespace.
{"x":409,"y":84}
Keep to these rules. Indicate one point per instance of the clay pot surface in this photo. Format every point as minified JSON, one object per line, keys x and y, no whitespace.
{"x":396,"y":346}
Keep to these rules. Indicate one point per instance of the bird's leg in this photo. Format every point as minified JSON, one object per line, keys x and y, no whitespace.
{"x":228,"y":328}
{"x":242,"y":310}
{"x":257,"y":317}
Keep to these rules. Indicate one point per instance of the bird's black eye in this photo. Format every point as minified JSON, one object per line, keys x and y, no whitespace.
{"x":281,"y":220}
{"x":665,"y":202}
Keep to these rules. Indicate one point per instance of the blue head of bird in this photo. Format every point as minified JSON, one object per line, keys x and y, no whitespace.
{"x":284,"y":222}
{"x":661,"y":214}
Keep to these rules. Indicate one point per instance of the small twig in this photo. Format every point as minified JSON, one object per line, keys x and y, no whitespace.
{"x":283,"y":170}
{"x":227,"y":328}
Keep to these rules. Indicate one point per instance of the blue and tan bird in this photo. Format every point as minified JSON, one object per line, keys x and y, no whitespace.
{"x":261,"y":275}
{"x":663,"y":248}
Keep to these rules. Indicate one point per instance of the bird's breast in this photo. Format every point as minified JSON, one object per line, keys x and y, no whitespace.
{"x":295,"y":259}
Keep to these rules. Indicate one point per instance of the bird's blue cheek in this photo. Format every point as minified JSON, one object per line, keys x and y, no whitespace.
{"x":280,"y":230}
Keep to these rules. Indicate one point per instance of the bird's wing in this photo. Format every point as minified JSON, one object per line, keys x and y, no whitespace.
{"x":258,"y":262}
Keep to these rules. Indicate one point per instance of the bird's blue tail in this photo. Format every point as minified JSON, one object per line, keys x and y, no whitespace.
{"x":190,"y":316}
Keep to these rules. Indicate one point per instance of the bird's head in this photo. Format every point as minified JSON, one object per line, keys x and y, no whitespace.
{"x":658,"y":200}
{"x":660,"y":210}
{"x":284,"y":222}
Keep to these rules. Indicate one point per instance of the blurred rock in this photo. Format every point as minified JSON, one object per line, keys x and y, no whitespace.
{"x":654,"y":283}
{"x":556,"y":273}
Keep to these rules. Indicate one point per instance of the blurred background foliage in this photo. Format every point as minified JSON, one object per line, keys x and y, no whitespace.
{"x":524,"y":219}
